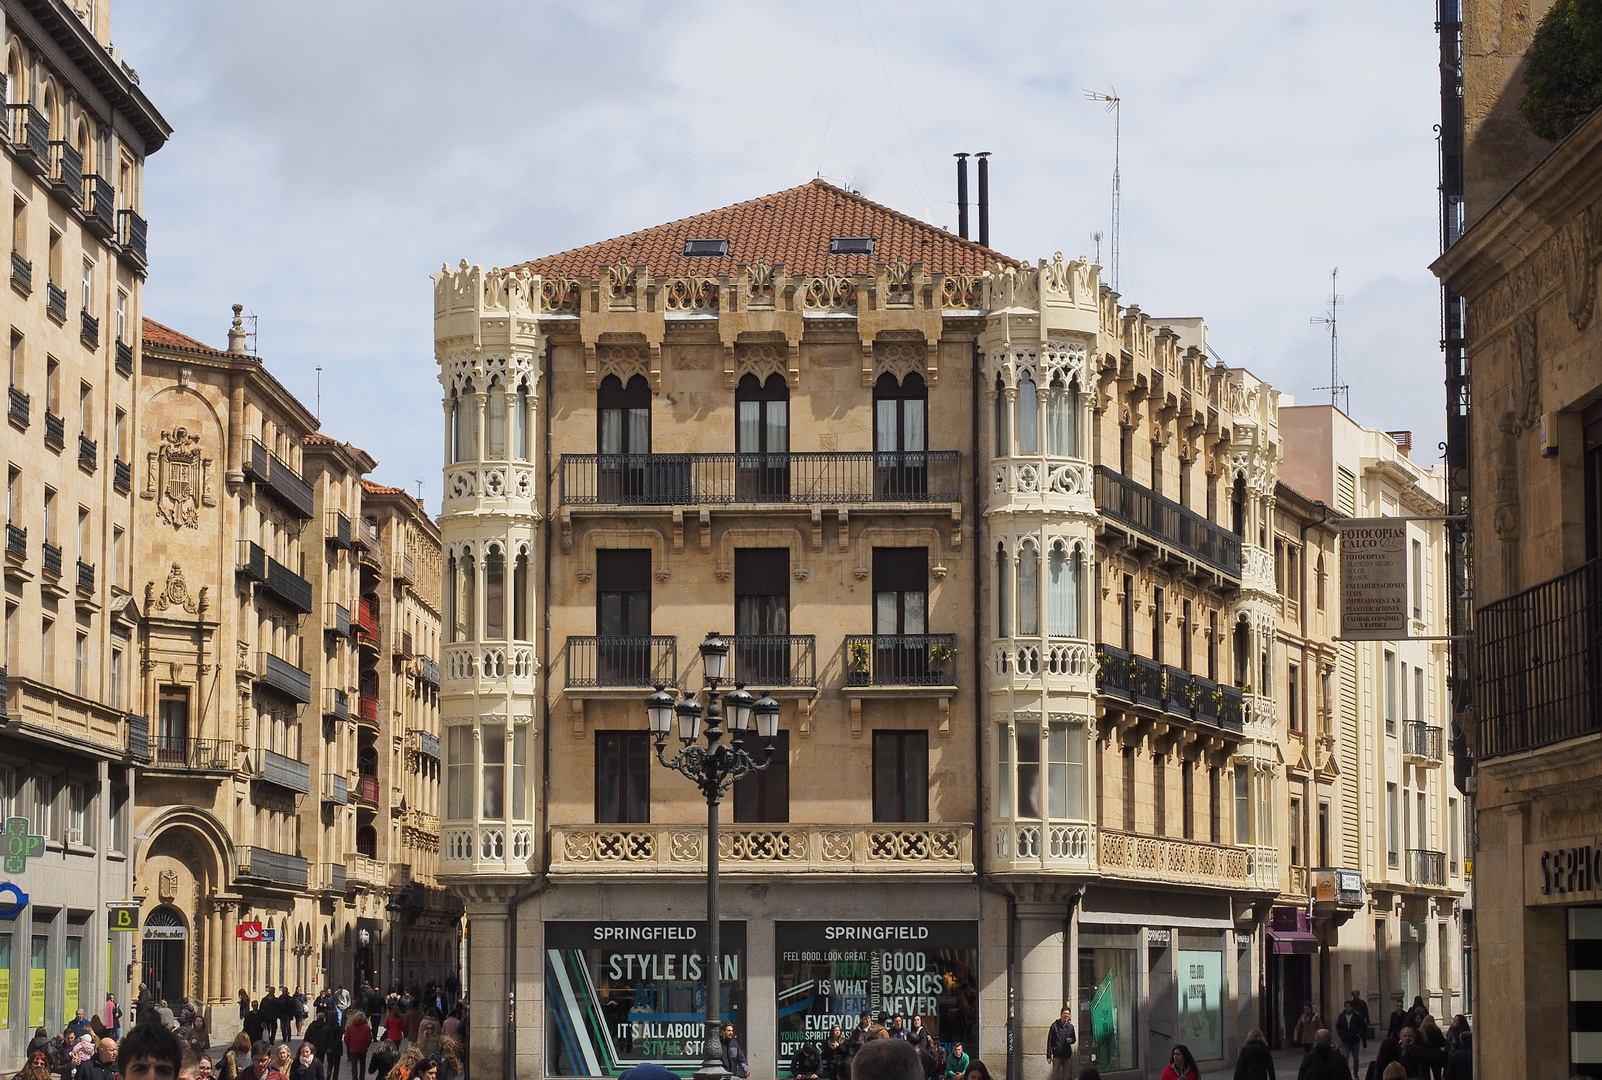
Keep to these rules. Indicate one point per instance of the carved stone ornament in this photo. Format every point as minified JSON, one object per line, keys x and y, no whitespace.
{"x":175,"y":594}
{"x":178,"y":479}
{"x":167,"y":886}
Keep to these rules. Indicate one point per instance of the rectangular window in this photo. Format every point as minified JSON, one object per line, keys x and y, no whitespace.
{"x":118,"y":540}
{"x":1418,"y":580}
{"x":1295,"y":832}
{"x":19,"y":226}
{"x":1159,"y":795}
{"x":1323,"y":834}
{"x":900,"y":590}
{"x":49,"y":522}
{"x":1129,"y":789}
{"x":1129,"y":614}
{"x":1004,"y":765}
{"x":1212,"y":645}
{"x":1293,"y":696}
{"x":1423,"y":823}
{"x":122,"y":317}
{"x":1066,"y":746}
{"x":9,"y":806}
{"x":54,"y":264}
{"x":1390,"y":692}
{"x":1418,"y":694}
{"x":46,"y":788}
{"x":460,"y":774}
{"x":1243,"y":804}
{"x":172,"y":724}
{"x":623,"y":617}
{"x":622,"y":776}
{"x":1293,"y":573}
{"x":1157,"y":467}
{"x":79,"y":800}
{"x":492,"y":744}
{"x":1187,"y":798}
{"x":88,"y":294}
{"x":1157,"y":625}
{"x":119,"y":819}
{"x":1393,"y":828}
{"x":765,"y":796}
{"x":520,"y":741}
{"x":1027,"y":739}
{"x":1187,"y":630}
{"x":1451,"y":836}
{"x":1215,"y":805}
{"x":47,"y":651}
{"x":900,"y":776}
{"x":80,"y":664}
{"x":762,"y":616}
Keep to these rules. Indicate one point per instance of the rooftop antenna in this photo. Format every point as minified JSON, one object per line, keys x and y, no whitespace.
{"x":319,"y":393}
{"x":1338,"y":391}
{"x":1095,"y":238}
{"x":1114,"y":106}
{"x":419,"y":484}
{"x":251,"y":343}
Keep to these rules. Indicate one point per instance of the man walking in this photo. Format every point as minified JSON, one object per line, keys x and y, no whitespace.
{"x":1060,"y":1045}
{"x":1349,"y":1029}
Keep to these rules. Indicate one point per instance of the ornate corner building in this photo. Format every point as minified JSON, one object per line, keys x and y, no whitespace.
{"x":77,"y":132}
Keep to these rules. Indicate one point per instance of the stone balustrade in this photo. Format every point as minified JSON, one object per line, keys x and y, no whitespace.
{"x":764,"y":849}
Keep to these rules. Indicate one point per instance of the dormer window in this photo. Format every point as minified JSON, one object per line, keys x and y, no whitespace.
{"x":714,"y":248}
{"x":851,"y":245}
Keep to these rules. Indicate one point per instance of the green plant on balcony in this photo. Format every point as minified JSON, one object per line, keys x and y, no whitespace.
{"x":939,"y":655}
{"x":1218,"y":698}
{"x":860,"y":656}
{"x":1193,"y":694}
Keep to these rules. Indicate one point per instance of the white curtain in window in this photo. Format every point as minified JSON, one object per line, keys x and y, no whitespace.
{"x":1062,"y":422}
{"x":495,"y":422}
{"x":1028,"y":416}
{"x":1062,"y":593}
{"x":1029,"y":592}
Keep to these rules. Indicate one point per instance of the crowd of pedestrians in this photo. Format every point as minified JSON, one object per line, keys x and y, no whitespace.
{"x":1413,"y":1047}
{"x":411,"y":1033}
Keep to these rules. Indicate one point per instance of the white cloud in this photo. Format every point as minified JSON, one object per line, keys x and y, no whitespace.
{"x":328,"y":156}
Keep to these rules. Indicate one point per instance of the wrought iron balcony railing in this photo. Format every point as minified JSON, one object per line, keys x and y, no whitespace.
{"x":100,"y":206}
{"x":124,"y":357}
{"x":86,"y":578}
{"x":21,"y":274}
{"x":88,"y":453}
{"x":19,"y":408}
{"x":55,"y":301}
{"x":66,"y":171}
{"x":89,"y":329}
{"x":283,"y":482}
{"x":200,"y":755}
{"x":52,"y":559}
{"x":1165,"y":521}
{"x":812,"y":478}
{"x":30,"y":136}
{"x":773,"y":660}
{"x":279,"y":674}
{"x":1538,"y":679}
{"x":55,"y":431}
{"x":131,"y":232}
{"x":901,"y":659}
{"x":16,"y":543}
{"x":596,"y":662}
{"x":122,"y":476}
{"x":1421,"y":742}
{"x":138,"y":737}
{"x":1426,"y":867}
{"x":283,"y":771}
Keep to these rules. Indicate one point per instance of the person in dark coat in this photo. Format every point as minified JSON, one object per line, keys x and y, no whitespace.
{"x":1460,"y":1062}
{"x":834,"y":1056}
{"x":254,"y":1024}
{"x":806,"y":1063}
{"x":1398,"y":1021}
{"x":733,"y":1053}
{"x":1060,"y":1039}
{"x":1255,"y":1061}
{"x":1414,"y":1056}
{"x":1323,"y":1061}
{"x":1349,"y":1029}
{"x":1390,"y":1050}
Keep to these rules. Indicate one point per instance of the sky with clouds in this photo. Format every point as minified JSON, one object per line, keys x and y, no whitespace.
{"x":328,"y":156}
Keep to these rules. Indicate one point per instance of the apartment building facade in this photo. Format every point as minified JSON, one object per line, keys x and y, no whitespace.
{"x":1400,"y":811}
{"x":78,"y":130}
{"x":1000,"y":547}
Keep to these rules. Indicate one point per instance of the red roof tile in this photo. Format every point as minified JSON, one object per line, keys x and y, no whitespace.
{"x":793,"y":227}
{"x":154,"y":333}
{"x":372,"y":488}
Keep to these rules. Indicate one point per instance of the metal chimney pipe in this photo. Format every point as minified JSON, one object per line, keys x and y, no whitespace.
{"x":962,"y":195}
{"x":984,"y":196}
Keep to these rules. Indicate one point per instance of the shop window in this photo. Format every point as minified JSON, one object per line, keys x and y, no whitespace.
{"x":900,"y":776}
{"x":1108,"y":1023}
{"x":765,"y":796}
{"x":622,"y":776}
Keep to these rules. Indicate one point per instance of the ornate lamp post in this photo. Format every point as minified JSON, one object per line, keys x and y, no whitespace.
{"x":714,"y":769}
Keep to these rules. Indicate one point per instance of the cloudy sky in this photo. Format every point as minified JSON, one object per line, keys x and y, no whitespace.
{"x":328,"y":156}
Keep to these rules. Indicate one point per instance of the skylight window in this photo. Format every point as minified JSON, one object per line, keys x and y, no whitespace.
{"x":851,"y":245}
{"x":716,"y":248}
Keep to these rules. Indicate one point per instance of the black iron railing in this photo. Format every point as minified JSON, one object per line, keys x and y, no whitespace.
{"x":52,"y":558}
{"x":122,"y":475}
{"x":1426,"y":867}
{"x":55,"y":431}
{"x":16,"y":542}
{"x":19,"y":404}
{"x":775,"y":659}
{"x":284,"y":677}
{"x":1539,"y":664}
{"x":124,"y":358}
{"x":288,"y":586}
{"x":1421,"y":740}
{"x":21,"y":274}
{"x":338,"y":530}
{"x":1113,"y":668}
{"x":622,"y":661}
{"x":901,"y":659}
{"x":273,"y":868}
{"x":933,"y":476}
{"x":88,"y":453}
{"x":30,"y":134}
{"x":89,"y":329}
{"x":1146,"y":682}
{"x":56,"y":300}
{"x":86,"y":578}
{"x":138,"y":737}
{"x":265,"y":467}
{"x":1142,"y":509}
{"x":206,"y":755}
{"x":100,"y":205}
{"x":131,"y":235}
{"x":66,"y":171}
{"x":338,"y":622}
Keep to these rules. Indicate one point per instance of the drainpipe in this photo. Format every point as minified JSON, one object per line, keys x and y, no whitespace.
{"x":980,"y":847}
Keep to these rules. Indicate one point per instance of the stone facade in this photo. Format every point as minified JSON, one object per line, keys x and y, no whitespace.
{"x":1533,"y":715}
{"x":77,"y":134}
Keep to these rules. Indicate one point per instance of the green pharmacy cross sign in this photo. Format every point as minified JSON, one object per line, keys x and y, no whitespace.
{"x":20,"y":845}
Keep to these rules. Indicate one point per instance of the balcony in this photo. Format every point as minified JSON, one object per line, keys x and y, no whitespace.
{"x":366,"y":789}
{"x":271,"y":869}
{"x":21,"y":274}
{"x":284,"y":772}
{"x":336,"y":789}
{"x":89,"y":329}
{"x":425,"y":743}
{"x":621,"y":662}
{"x":122,"y":476}
{"x":66,"y":172}
{"x":138,"y":738}
{"x":131,"y":232}
{"x":268,"y":470}
{"x":124,"y":358}
{"x":88,"y":453}
{"x":334,"y":879}
{"x":100,"y":206}
{"x":1153,"y":518}
{"x":428,"y":668}
{"x":807,"y":479}
{"x":251,"y":560}
{"x":775,"y":660}
{"x":367,"y":619}
{"x":55,"y":432}
{"x":194,"y":755}
{"x":901,"y":660}
{"x":336,"y":704}
{"x":403,"y":648}
{"x":1186,"y":862}
{"x":337,"y":621}
{"x":86,"y":579}
{"x":16,"y":543}
{"x":339,"y":530}
{"x":30,"y":137}
{"x":288,"y":587}
{"x":1421,"y":743}
{"x":52,"y":559}
{"x":282,"y":676}
{"x":1032,"y":846}
{"x":19,"y":408}
{"x":614,"y":850}
{"x":404,"y":569}
{"x":1426,"y":867}
{"x":421,"y":829}
{"x":367,"y":709}
{"x":55,"y":301}
{"x":1538,"y":677}
{"x":364,"y":870}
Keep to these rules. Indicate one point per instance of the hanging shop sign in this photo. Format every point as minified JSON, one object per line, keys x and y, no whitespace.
{"x":829,"y":973}
{"x":622,"y":993}
{"x":122,"y":917}
{"x":1374,"y":601}
{"x":20,"y":845}
{"x":166,"y":933}
{"x":12,"y":900}
{"x":248,"y":931}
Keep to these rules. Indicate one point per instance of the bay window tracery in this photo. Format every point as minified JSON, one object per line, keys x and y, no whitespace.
{"x":1062,"y":418}
{"x":495,"y":421}
{"x":1042,"y":768}
{"x":1028,"y":590}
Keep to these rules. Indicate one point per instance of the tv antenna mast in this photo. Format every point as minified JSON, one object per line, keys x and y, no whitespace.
{"x":1114,"y":106}
{"x":1095,"y":238}
{"x":1339,"y":392}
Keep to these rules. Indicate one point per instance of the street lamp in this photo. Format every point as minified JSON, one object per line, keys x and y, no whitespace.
{"x":713,"y":768}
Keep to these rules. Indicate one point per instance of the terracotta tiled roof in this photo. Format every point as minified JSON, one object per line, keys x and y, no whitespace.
{"x":793,"y":227}
{"x":372,"y":488}
{"x":317,"y":438}
{"x":152,"y":332}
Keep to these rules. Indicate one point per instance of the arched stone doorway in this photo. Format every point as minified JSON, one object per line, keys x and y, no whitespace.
{"x":166,"y":939}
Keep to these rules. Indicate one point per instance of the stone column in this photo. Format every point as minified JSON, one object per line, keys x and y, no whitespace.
{"x":1042,"y":982}
{"x":489,"y":919}
{"x":230,"y":924}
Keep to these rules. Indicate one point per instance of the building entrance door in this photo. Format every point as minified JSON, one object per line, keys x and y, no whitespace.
{"x":165,"y":939}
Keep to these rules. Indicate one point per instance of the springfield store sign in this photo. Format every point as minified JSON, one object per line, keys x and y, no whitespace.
{"x":1374,"y":605}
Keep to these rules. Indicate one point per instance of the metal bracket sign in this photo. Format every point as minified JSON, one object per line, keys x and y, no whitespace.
{"x":20,"y":845}
{"x":122,"y":916}
{"x":19,"y":900}
{"x":248,"y":931}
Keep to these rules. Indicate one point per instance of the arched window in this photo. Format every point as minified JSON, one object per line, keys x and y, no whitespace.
{"x":520,"y":423}
{"x":1242,"y":648}
{"x":762,"y":438}
{"x":47,"y":109}
{"x":623,"y":437}
{"x":900,"y":436}
{"x":1028,"y":415}
{"x":16,"y":82}
{"x":465,"y":421}
{"x":1237,"y":507}
{"x":1062,"y":592}
{"x":1003,"y":593}
{"x":495,"y":421}
{"x":83,"y":143}
{"x":1028,"y":591}
{"x":1003,"y":437}
{"x":520,"y":597}
{"x":450,"y":597}
{"x":1062,"y":420}
{"x":494,"y":595}
{"x":1320,"y":578}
